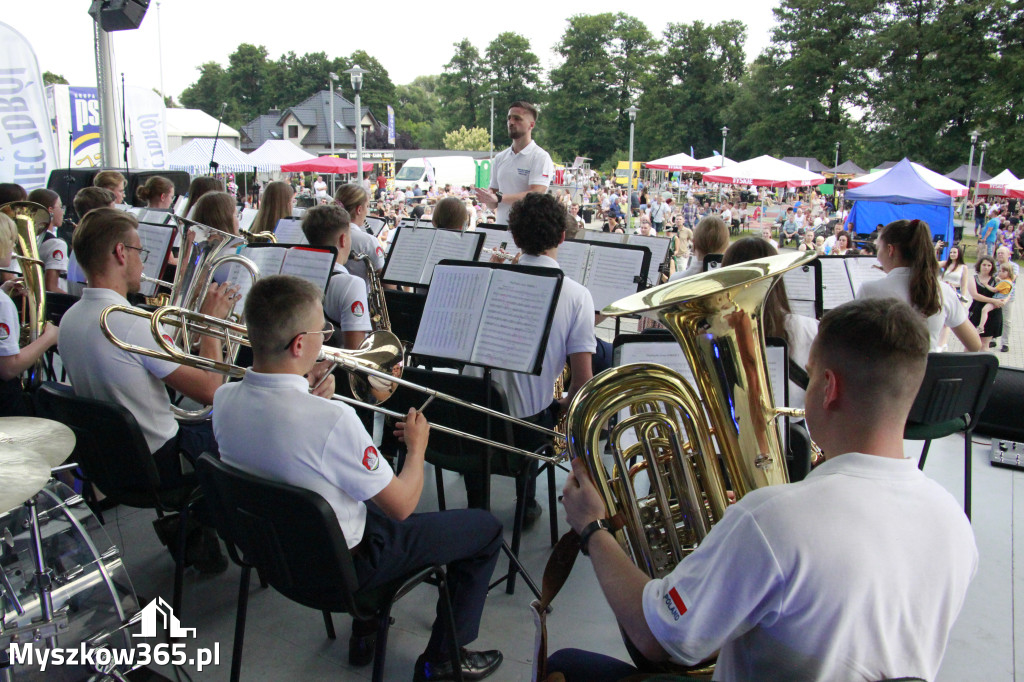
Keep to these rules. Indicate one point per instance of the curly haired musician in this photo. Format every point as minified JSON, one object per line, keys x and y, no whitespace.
{"x":271,"y":425}
{"x":345,"y":303}
{"x":858,"y":572}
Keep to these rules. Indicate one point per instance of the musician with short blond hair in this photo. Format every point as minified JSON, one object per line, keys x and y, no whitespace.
{"x":857,"y":572}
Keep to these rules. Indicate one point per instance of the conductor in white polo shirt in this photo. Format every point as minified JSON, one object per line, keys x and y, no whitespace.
{"x":522,"y":168}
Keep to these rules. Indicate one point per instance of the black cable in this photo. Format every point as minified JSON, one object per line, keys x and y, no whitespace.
{"x":124,"y":130}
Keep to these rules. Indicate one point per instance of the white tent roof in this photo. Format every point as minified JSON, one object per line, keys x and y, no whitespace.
{"x":194,"y":158}
{"x":712,"y":162}
{"x":1015,"y":189}
{"x":676,"y":162}
{"x":939,"y":182}
{"x":765,"y":171}
{"x":998,"y":182}
{"x":279,"y":152}
{"x":195,"y":123}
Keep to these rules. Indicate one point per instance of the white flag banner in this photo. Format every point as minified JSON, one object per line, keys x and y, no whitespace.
{"x":147,"y":122}
{"x":26,"y":139}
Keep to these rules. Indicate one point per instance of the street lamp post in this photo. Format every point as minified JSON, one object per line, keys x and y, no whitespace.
{"x":629,"y":182}
{"x":330,"y":83}
{"x":357,"y":84}
{"x":970,"y":165}
{"x":834,"y":173}
{"x":981,"y":165}
{"x":725,"y":131}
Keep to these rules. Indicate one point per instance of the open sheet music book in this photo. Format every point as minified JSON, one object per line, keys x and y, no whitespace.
{"x":842,"y":277}
{"x":289,"y":231}
{"x":496,"y":316}
{"x":313,"y":264}
{"x":155,"y":216}
{"x":493,"y":239}
{"x":608,"y":271}
{"x":247,"y":217}
{"x":415,"y":251}
{"x":155,"y":238}
{"x":803,"y":288}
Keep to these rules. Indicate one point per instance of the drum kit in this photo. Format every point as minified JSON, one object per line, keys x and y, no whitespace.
{"x":62,"y":581}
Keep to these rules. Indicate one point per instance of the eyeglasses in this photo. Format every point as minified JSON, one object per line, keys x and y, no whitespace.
{"x":143,"y":253}
{"x":327,"y":331}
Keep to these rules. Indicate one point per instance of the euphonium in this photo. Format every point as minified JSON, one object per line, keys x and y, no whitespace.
{"x":28,"y":216}
{"x":378,"y":305}
{"x":689,"y":463}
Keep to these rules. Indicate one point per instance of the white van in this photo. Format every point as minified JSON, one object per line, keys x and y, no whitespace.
{"x":457,"y":171}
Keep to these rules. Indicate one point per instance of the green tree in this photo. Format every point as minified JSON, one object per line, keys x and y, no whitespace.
{"x":468,"y":139}
{"x":513,"y":71}
{"x":209,"y":90}
{"x":633,"y":49}
{"x":293,"y":78}
{"x":248,"y":84}
{"x":1004,"y":97}
{"x":418,"y":112}
{"x":461,"y":86}
{"x":378,"y":90}
{"x":50,"y":78}
{"x":583,"y":111}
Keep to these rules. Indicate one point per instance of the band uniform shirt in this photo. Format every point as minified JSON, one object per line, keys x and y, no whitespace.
{"x":10,"y":333}
{"x":271,"y":426}
{"x":513,"y":173}
{"x":896,"y":284}
{"x":100,"y":370}
{"x":572,"y":331}
{"x":364,"y":243}
{"x":345,"y":301}
{"x":858,"y":572}
{"x":53,"y":251}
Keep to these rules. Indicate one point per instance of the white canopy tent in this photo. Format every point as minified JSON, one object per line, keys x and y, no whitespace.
{"x":194,"y":158}
{"x":276,"y":153}
{"x":997,"y":186}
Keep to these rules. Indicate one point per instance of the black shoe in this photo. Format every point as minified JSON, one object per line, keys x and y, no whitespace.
{"x":361,"y":649}
{"x":1004,"y":349}
{"x":203,"y":552}
{"x":991,"y":344}
{"x":531,"y":514}
{"x":476,"y":665}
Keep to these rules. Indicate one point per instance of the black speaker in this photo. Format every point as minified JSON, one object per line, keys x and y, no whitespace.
{"x":66,"y":182}
{"x":119,"y":15}
{"x":1001,"y":416}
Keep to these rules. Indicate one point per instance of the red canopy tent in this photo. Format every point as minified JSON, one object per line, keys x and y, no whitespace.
{"x":325,"y":164}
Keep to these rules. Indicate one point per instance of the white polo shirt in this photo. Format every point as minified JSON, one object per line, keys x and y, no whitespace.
{"x":345,"y":301}
{"x":896,"y":284}
{"x":10,"y":327}
{"x":270,"y":425}
{"x":100,"y":370}
{"x":858,"y":572}
{"x":53,"y":252}
{"x":512,"y":173}
{"x":572,"y":331}
{"x":364,"y":243}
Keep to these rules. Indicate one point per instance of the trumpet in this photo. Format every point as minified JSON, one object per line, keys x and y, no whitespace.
{"x":374,"y":369}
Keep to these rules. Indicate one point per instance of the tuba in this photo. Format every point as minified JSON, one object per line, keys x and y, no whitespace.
{"x":28,"y":216}
{"x":691,"y":444}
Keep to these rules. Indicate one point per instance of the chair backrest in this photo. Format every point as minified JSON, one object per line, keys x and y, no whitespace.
{"x":109,"y":445}
{"x":955,"y":384}
{"x":289,"y":534}
{"x":405,"y":309}
{"x":58,"y":304}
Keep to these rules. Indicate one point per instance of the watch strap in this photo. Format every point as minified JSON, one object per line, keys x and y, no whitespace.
{"x":590,"y":529}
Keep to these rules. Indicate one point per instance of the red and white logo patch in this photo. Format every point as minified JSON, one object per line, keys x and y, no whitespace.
{"x":371,"y":458}
{"x":357,"y":309}
{"x":675,"y":603}
{"x":5,"y":332}
{"x":58,"y":254}
{"x":380,"y":250}
{"x":167,"y":338}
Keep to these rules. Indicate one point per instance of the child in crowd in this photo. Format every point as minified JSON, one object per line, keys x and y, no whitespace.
{"x":1004,"y":287}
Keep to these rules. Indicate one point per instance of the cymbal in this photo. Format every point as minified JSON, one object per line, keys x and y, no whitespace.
{"x":22,"y":474}
{"x":50,"y":440}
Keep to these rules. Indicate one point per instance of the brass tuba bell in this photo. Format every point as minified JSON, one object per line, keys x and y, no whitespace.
{"x":30,"y":218}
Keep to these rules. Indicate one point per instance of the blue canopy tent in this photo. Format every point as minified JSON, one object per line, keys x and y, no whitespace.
{"x":901,"y":194}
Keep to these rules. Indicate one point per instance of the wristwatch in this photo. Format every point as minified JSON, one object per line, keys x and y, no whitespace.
{"x":498,"y":195}
{"x":592,"y":527}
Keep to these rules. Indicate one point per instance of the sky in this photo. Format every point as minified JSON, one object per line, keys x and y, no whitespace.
{"x":409,"y":38}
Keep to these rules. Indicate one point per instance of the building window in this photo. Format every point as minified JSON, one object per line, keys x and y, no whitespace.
{"x":293,"y":132}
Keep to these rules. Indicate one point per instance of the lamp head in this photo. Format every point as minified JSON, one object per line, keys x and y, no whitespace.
{"x":632,"y":112}
{"x":357,"y":77}
{"x":974,"y":136}
{"x":725,"y":130}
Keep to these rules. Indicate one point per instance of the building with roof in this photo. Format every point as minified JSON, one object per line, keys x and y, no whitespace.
{"x":185,"y":125}
{"x":307,"y":125}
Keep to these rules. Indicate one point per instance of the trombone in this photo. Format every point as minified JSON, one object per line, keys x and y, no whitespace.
{"x":374,"y":369}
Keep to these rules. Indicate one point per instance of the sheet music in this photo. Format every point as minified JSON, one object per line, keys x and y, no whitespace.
{"x":312,"y":265}
{"x":800,"y":285}
{"x":801,"y":307}
{"x":863,"y":269}
{"x":157,"y":240}
{"x":666,"y":352}
{"x":573,"y":257}
{"x":775,"y":359}
{"x":600,"y":236}
{"x":268,"y":259}
{"x":659,"y":252}
{"x":452,"y":312}
{"x":493,"y":240}
{"x":289,"y":231}
{"x":179,"y":204}
{"x":451,"y":245}
{"x":246,"y":219}
{"x":612,"y":274}
{"x":514,"y":320}
{"x":408,"y":255}
{"x":375,"y":225}
{"x":835,"y":283}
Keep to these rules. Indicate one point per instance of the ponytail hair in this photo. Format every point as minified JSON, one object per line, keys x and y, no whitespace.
{"x":156,"y":186}
{"x":913,"y":240}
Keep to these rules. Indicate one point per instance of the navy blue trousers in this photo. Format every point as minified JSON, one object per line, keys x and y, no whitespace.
{"x":587,"y":666}
{"x":466,"y":540}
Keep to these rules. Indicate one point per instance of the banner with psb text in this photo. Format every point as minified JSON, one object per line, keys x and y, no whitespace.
{"x":26,"y":140}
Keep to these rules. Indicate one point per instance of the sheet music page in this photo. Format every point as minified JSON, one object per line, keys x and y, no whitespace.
{"x":179,"y":204}
{"x":493,"y":239}
{"x":289,"y":231}
{"x":612,"y":274}
{"x":667,"y":353}
{"x":246,"y":219}
{"x":800,"y":307}
{"x":659,"y":252}
{"x":775,"y":358}
{"x":572,"y":258}
{"x":800,"y":284}
{"x":514,"y":320}
{"x":267,"y":258}
{"x":137,"y":211}
{"x":408,"y":254}
{"x":451,"y":315}
{"x":156,"y":239}
{"x":835,"y":283}
{"x":312,"y":265}
{"x":451,"y":245}
{"x":863,"y":269}
{"x":601,"y":236}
